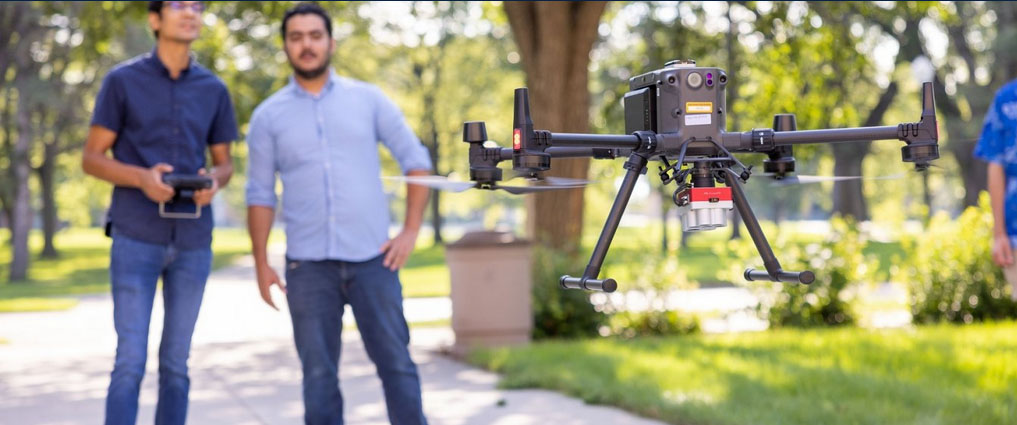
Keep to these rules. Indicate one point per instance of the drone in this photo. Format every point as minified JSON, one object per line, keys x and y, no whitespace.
{"x":676,"y":115}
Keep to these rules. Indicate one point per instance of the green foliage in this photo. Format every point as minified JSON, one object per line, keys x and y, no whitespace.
{"x":839,"y":264}
{"x":629,"y":324}
{"x":559,"y":313}
{"x":950,"y":272}
{"x":930,"y":375}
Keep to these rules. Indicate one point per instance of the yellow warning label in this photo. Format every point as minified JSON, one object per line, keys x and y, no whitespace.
{"x":698,"y":107}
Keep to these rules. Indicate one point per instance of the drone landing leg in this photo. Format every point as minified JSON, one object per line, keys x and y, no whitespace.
{"x":635,"y":165}
{"x":773,"y":271}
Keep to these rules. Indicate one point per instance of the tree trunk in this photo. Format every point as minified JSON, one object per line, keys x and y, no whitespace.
{"x":849,"y":196}
{"x":46,"y":173}
{"x":6,"y":192}
{"x":21,"y":217}
{"x":973,"y":171}
{"x":554,"y":41}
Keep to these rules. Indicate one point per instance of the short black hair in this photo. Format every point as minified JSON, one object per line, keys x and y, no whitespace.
{"x":303,"y":9}
{"x":156,"y":8}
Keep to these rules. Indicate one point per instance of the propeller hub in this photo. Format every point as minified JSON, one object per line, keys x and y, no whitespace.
{"x":485,"y":175}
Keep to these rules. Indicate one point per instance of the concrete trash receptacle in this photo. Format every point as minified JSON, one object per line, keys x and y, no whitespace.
{"x":491,"y":301}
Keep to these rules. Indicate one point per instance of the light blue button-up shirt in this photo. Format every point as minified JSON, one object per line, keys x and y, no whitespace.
{"x":325,"y":150}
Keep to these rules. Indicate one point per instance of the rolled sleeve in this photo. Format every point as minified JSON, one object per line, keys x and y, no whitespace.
{"x":261,"y":165}
{"x":397,"y":136}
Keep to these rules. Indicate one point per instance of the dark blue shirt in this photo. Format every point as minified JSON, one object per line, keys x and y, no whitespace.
{"x":159,"y":119}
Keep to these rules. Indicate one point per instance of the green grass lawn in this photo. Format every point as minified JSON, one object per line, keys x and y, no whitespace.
{"x":929,"y":375}
{"x":83,"y":268}
{"x":425,"y":273}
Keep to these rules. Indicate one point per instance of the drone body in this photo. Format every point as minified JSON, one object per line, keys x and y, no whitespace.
{"x":676,"y":115}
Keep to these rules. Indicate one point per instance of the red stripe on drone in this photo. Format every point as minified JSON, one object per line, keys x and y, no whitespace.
{"x":710,"y":194}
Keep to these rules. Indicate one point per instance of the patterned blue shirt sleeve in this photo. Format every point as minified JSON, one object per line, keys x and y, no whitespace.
{"x":397,"y":136}
{"x":261,"y":164}
{"x":992,"y":146}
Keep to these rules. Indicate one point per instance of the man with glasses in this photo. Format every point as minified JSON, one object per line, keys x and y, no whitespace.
{"x":320,"y":134}
{"x":158,"y":113}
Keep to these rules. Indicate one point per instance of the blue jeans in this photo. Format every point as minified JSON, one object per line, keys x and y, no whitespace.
{"x":135,"y":267}
{"x":317,"y":292}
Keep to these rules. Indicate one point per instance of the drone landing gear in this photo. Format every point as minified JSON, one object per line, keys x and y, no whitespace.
{"x":773,"y":271}
{"x":636,"y":165}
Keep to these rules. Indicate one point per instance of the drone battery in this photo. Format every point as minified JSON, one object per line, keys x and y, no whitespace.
{"x":704,"y":208}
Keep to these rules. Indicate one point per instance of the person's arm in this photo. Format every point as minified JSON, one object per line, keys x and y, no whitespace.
{"x":259,"y":225}
{"x":261,"y":202}
{"x":222,"y":171}
{"x":95,"y":162}
{"x":1001,"y":250}
{"x":414,"y":160}
{"x":221,"y":133}
{"x":992,"y":148}
{"x":398,"y":249}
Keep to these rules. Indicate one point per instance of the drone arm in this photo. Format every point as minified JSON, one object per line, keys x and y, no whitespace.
{"x":921,"y":138}
{"x":573,"y":152}
{"x":625,"y":141}
{"x":773,"y":271}
{"x":762,"y":140}
{"x":636,"y":165}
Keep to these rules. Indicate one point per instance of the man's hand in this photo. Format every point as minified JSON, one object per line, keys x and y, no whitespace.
{"x":152,"y":185}
{"x":204,"y":196}
{"x":266,"y":278}
{"x":397,"y":250}
{"x":1002,"y":252}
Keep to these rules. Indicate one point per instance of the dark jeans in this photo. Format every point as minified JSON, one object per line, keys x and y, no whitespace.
{"x":317,"y":292}
{"x":135,"y":267}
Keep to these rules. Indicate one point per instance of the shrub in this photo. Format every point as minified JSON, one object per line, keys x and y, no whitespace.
{"x":650,"y":283}
{"x":839,"y":266}
{"x":557,"y":312}
{"x":630,"y":324}
{"x":950,"y":273}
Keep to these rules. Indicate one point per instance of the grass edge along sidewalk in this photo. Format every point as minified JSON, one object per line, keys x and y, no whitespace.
{"x":83,"y":268}
{"x":930,"y":374}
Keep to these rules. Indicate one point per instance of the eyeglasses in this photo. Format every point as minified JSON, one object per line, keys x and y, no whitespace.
{"x":179,"y":6}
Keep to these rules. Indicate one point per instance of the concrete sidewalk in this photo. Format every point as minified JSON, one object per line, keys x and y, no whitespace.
{"x":244,"y":369}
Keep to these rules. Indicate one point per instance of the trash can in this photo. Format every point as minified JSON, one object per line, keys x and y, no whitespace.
{"x":491,"y":280}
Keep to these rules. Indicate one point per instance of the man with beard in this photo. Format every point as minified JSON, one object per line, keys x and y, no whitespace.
{"x":158,"y":113}
{"x":320,"y":134}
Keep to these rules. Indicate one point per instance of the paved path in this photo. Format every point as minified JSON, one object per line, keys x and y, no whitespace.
{"x":244,"y":370}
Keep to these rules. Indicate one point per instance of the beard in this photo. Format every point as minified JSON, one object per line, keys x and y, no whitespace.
{"x":312,"y":73}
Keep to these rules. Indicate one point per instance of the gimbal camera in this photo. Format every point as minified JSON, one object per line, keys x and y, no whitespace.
{"x":184,"y":186}
{"x":676,"y":115}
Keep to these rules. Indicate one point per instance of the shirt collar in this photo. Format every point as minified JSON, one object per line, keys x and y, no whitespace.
{"x":333,"y":81}
{"x":153,"y":60}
